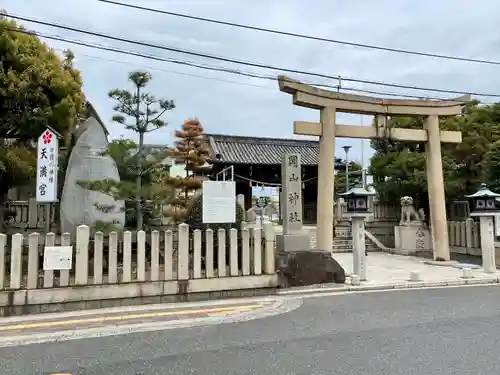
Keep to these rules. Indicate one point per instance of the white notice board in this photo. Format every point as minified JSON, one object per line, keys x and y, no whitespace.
{"x":57,"y":258}
{"x":219,"y":202}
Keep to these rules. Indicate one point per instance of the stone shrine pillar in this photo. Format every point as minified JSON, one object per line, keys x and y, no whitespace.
{"x":326,"y":165}
{"x":359,"y":246}
{"x":293,"y":237}
{"x":486,"y":229}
{"x":435,"y":181}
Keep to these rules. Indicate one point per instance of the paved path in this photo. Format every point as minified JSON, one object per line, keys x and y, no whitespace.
{"x":383,"y":268}
{"x":441,"y":331}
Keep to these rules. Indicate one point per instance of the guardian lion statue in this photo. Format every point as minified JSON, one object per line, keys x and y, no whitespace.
{"x":410,"y":216}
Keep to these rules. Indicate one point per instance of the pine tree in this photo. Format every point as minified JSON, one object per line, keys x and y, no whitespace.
{"x":145,"y":111}
{"x":192,"y":152}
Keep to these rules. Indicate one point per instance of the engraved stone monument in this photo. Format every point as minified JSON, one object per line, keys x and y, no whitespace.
{"x":86,"y":163}
{"x":298,"y":264}
{"x":293,"y":238}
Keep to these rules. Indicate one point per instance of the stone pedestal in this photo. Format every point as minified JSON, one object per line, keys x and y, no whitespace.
{"x":292,"y":242}
{"x":309,"y":267}
{"x":410,"y":240}
{"x":486,"y":228}
{"x":359,"y":247}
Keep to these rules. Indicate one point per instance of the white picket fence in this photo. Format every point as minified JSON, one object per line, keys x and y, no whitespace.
{"x":125,"y":265}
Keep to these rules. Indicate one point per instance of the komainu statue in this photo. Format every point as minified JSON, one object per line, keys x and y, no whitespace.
{"x":410,"y":216}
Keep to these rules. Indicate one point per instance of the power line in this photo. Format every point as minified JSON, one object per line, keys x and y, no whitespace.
{"x":304,"y":36}
{"x":247,"y":63}
{"x":208,"y":67}
{"x":352,"y":89}
{"x":172,"y":71}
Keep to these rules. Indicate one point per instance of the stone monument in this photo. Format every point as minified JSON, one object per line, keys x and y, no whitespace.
{"x":293,"y":238}
{"x":87,"y":163}
{"x":411,"y":235}
{"x":297,"y":263}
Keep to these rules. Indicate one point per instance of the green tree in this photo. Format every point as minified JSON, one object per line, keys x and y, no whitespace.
{"x":37,"y":90}
{"x":398,"y":168}
{"x":355,"y":176}
{"x":155,"y":188}
{"x":145,"y":113}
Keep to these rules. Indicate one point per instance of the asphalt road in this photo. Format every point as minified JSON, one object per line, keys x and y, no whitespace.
{"x":441,"y":331}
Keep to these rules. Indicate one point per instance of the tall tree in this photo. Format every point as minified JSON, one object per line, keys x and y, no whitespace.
{"x":398,"y":168}
{"x":191,"y":152}
{"x":36,"y":90}
{"x":144,"y":113}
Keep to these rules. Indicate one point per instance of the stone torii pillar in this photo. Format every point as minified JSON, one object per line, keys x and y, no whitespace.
{"x":331,"y":102}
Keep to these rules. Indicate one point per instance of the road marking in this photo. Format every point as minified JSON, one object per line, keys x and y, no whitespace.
{"x":103,"y":319}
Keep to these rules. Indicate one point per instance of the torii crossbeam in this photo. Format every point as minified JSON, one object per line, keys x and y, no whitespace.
{"x":331,"y":102}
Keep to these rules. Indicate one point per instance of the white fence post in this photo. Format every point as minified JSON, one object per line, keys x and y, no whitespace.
{"x":48,"y":276}
{"x":98,"y":258}
{"x":16,"y":261}
{"x":183,"y":253}
{"x":155,"y":255}
{"x":141,"y":255}
{"x":269,"y":258}
{"x":257,"y":252}
{"x":245,"y":252}
{"x":168,"y":256}
{"x":209,"y":253}
{"x":197,"y":254}
{"x":32,"y":282}
{"x":3,"y":242}
{"x":82,"y":255}
{"x":221,"y":252}
{"x":64,"y":274}
{"x":233,"y":252}
{"x":113,"y":258}
{"x":127,"y":257}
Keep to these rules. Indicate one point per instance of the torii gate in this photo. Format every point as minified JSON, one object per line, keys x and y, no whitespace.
{"x":329,"y":103}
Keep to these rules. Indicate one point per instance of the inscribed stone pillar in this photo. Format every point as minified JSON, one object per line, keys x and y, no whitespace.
{"x":487,"y":243}
{"x":293,"y":237}
{"x":324,"y":222}
{"x":359,"y":247}
{"x":435,"y":181}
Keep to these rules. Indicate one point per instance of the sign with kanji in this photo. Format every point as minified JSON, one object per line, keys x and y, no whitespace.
{"x":46,"y":167}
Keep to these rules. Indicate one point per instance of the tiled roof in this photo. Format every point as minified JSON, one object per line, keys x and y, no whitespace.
{"x":259,"y":150}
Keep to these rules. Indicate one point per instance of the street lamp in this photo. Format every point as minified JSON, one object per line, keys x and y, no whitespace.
{"x":346,"y":149}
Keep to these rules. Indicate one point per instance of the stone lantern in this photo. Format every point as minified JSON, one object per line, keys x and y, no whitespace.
{"x":483,"y":204}
{"x":358,"y":210}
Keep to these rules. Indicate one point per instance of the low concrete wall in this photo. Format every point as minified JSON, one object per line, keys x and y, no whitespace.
{"x":19,"y":302}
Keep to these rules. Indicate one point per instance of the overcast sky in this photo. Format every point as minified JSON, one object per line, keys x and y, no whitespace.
{"x":232,"y":104}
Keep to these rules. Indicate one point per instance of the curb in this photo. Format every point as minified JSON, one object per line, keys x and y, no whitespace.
{"x":319,"y":289}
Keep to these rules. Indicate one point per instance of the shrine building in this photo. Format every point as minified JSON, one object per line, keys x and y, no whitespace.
{"x":256,"y":161}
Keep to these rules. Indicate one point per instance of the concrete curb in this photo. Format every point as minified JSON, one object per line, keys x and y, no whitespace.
{"x":318,"y":289}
